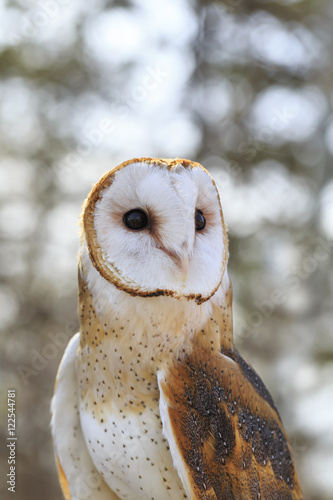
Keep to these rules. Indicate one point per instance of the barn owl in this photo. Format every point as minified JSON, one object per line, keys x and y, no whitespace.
{"x":152,"y":399}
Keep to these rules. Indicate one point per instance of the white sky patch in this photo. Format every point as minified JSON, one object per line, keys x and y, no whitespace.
{"x":51,"y":23}
{"x":282,"y":44}
{"x":10,"y":19}
{"x":271,"y":194}
{"x":78,"y":179}
{"x":151,"y":91}
{"x":177,"y":136}
{"x":214,"y":100}
{"x":123,"y":36}
{"x":314,"y":413}
{"x":284,"y":114}
{"x":61,"y":225}
{"x":16,"y":176}
{"x":114,"y":37}
{"x":178,"y":24}
{"x":18,"y":219}
{"x":143,"y":120}
{"x":131,"y":135}
{"x":18,"y":114}
{"x":159,"y":82}
{"x":230,"y":36}
{"x":280,"y":254}
{"x":58,"y":249}
{"x":318,"y":469}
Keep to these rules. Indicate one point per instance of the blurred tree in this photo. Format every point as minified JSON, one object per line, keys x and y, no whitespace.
{"x":244,"y":87}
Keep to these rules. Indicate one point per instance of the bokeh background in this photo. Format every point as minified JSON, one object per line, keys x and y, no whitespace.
{"x":243,"y":86}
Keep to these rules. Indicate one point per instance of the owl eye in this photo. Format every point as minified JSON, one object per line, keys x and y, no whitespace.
{"x":200,"y":221}
{"x":136,"y":219}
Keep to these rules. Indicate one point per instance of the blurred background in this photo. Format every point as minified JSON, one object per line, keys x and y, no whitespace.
{"x":243,"y":86}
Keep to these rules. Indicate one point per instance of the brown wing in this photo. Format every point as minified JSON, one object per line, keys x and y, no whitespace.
{"x":225,"y":435}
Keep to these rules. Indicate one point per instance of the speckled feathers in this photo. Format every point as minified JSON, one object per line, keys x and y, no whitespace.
{"x":152,"y":399}
{"x":148,"y":263}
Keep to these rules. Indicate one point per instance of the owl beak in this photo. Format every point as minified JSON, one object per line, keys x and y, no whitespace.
{"x":184,"y":261}
{"x":181,"y":261}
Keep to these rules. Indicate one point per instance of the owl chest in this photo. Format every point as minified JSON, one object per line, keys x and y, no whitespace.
{"x":132,"y":455}
{"x":121,"y":424}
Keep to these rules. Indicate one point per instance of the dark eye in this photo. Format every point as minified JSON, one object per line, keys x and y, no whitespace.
{"x":136,"y":219}
{"x":200,"y":221}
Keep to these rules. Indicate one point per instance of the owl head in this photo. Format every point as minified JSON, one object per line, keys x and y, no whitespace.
{"x":155,"y":227}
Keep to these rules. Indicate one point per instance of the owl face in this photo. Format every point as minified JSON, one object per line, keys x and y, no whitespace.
{"x":155,"y":227}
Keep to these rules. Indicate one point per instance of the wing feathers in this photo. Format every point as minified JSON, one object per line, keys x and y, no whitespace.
{"x":225,"y":432}
{"x":77,"y":475}
{"x":63,"y":480}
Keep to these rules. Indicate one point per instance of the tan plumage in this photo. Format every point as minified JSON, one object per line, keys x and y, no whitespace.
{"x":153,"y":401}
